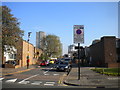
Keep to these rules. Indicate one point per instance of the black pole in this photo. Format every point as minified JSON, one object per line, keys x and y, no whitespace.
{"x":28,"y":54}
{"x":28,"y":59}
{"x":78,"y":61}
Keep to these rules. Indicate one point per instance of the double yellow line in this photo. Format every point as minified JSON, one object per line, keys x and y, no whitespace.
{"x":61,"y":80}
{"x":18,"y":71}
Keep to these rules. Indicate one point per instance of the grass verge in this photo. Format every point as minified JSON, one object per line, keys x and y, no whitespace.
{"x":108,"y":71}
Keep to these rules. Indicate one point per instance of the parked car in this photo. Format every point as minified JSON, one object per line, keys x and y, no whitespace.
{"x":51,"y":61}
{"x":64,"y":66}
{"x":69,"y":60}
{"x":56,"y":64}
{"x":43,"y":63}
{"x":47,"y":62}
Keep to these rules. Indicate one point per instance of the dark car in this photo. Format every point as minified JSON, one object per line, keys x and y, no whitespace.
{"x":69,"y":60}
{"x":63,"y":66}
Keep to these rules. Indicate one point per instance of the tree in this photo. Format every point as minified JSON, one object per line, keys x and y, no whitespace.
{"x":11,"y":32}
{"x":52,"y":46}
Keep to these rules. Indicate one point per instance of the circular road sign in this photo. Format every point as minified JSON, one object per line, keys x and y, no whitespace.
{"x":78,"y":31}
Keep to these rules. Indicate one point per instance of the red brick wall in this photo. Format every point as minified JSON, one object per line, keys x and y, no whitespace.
{"x":114,"y":65}
{"x":97,"y":54}
{"x":110,"y":49}
{"x":104,"y":52}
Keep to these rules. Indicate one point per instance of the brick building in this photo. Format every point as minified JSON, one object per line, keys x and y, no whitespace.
{"x":22,"y":53}
{"x":104,"y":52}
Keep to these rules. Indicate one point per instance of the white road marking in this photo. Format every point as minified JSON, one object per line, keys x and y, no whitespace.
{"x":36,"y":83}
{"x":49,"y":84}
{"x":55,"y":74}
{"x":46,"y":74}
{"x":1,"y":79}
{"x":114,"y":78}
{"x":31,"y":77}
{"x":23,"y":81}
{"x":11,"y":80}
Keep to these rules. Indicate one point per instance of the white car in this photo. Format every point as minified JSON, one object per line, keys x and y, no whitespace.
{"x":47,"y":62}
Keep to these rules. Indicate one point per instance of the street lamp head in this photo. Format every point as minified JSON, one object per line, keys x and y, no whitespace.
{"x":29,"y":34}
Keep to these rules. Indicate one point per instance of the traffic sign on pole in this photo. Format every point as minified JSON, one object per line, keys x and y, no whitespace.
{"x":78,"y":33}
{"x":78,"y":38}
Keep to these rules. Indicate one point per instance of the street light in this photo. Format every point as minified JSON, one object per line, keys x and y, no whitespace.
{"x":28,"y":60}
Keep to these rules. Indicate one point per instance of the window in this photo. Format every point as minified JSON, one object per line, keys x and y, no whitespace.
{"x":12,"y":56}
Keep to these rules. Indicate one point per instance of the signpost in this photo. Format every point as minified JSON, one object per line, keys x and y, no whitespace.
{"x":78,"y":33}
{"x":78,"y":38}
{"x":28,"y":60}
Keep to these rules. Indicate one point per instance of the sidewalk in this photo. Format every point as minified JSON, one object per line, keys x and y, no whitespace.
{"x":90,"y":79}
{"x":8,"y":71}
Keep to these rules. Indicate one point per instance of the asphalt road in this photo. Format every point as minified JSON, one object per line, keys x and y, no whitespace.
{"x":41,"y":77}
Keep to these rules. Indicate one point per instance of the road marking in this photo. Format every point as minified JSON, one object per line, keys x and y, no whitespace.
{"x":113,"y":78}
{"x":36,"y":83}
{"x":1,"y":79}
{"x":23,"y":81}
{"x":49,"y":84}
{"x":56,"y":74}
{"x":31,"y":77}
{"x":61,"y":79}
{"x":65,"y":85}
{"x":11,"y":80}
{"x":46,"y":74}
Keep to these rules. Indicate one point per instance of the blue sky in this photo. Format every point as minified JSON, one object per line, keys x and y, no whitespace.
{"x":99,"y":18}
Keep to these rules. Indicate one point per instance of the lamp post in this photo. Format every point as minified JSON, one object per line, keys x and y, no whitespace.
{"x":28,"y":60}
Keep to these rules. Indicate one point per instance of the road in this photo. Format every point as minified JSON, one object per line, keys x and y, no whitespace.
{"x":48,"y":77}
{"x":36,"y":78}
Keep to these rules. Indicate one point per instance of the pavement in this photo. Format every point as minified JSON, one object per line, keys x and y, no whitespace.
{"x":9,"y":71}
{"x":91,"y":79}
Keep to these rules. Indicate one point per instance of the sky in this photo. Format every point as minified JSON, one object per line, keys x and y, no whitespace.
{"x":58,"y":18}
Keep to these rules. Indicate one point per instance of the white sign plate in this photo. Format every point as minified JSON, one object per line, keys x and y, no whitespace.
{"x":78,"y":33}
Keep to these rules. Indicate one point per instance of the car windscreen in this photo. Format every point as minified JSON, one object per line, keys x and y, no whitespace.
{"x":63,"y":63}
{"x":67,"y":59}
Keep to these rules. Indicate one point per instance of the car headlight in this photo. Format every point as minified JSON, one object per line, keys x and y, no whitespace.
{"x":66,"y":67}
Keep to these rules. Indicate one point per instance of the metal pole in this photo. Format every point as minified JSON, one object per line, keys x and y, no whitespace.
{"x":78,"y":61}
{"x":28,"y":54}
{"x":28,"y":59}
